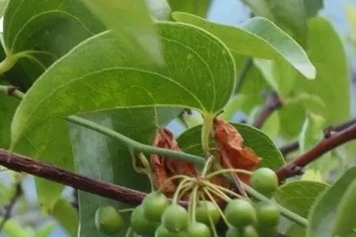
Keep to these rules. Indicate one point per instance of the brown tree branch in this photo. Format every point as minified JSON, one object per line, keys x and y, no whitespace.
{"x":331,"y":141}
{"x":21,"y":163}
{"x":293,"y":146}
{"x":10,"y":206}
{"x":272,"y":103}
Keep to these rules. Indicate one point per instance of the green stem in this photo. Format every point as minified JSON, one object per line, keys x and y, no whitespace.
{"x":228,"y":171}
{"x":127,"y":141}
{"x":285,"y":212}
{"x":207,"y":126}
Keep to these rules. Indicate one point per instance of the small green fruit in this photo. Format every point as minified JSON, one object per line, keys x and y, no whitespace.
{"x":198,"y":230}
{"x":204,"y":210}
{"x":175,"y":218}
{"x":240,"y":213}
{"x":108,"y":220}
{"x":154,"y":204}
{"x":163,"y":232}
{"x":233,"y":232}
{"x":139,"y":223}
{"x":264,"y":180}
{"x":249,"y":231}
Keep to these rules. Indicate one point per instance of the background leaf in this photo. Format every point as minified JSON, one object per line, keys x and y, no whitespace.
{"x":257,"y":37}
{"x":126,"y":82}
{"x":190,"y":142}
{"x":67,"y":216}
{"x":199,"y":8}
{"x":103,"y":158}
{"x":326,"y":213}
{"x":131,"y":22}
{"x":331,"y":75}
{"x":299,"y":196}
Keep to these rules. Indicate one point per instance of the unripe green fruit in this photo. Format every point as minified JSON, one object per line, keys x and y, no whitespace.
{"x":233,"y":232}
{"x":198,"y":230}
{"x":108,"y":220}
{"x":240,"y":213}
{"x":141,"y":225}
{"x":154,"y":204}
{"x":249,"y":231}
{"x":175,"y":218}
{"x":264,"y":180}
{"x":206,"y":209}
{"x":163,"y":232}
{"x":267,"y":217}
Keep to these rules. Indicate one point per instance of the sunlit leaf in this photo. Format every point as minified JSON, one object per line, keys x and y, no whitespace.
{"x":199,"y":8}
{"x":126,"y":82}
{"x":299,"y":196}
{"x":331,"y":213}
{"x":45,"y":230}
{"x":332,"y":81}
{"x":257,"y":37}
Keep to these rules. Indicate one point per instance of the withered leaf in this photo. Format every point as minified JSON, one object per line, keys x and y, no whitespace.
{"x":164,"y":167}
{"x":232,"y":153}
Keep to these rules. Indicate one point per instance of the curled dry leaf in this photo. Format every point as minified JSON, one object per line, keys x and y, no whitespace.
{"x":164,"y":168}
{"x":232,"y":153}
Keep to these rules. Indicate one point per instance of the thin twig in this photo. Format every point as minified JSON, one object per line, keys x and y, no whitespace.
{"x":293,"y":146}
{"x":330,"y":142}
{"x":10,"y":206}
{"x":272,"y":103}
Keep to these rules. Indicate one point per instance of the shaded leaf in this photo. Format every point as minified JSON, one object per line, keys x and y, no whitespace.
{"x":258,"y":37}
{"x":67,"y":216}
{"x":101,"y":157}
{"x":45,"y":230}
{"x":132,"y":24}
{"x":190,"y":142}
{"x":165,"y":168}
{"x":126,"y":82}
{"x":199,"y":8}
{"x":330,"y":75}
{"x":328,"y":216}
{"x":271,"y":126}
{"x":299,"y":196}
{"x":13,"y":229}
{"x":3,"y":5}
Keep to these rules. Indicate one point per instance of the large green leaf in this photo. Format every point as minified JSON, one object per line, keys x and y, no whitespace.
{"x":332,"y":81}
{"x":331,"y":214}
{"x":258,"y":37}
{"x":199,"y":8}
{"x":131,"y":22}
{"x":299,"y":196}
{"x":126,"y":82}
{"x":3,"y":5}
{"x":103,"y":158}
{"x":190,"y":142}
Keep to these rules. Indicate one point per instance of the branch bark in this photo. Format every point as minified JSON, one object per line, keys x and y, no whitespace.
{"x":331,"y":141}
{"x":21,"y":163}
{"x":272,"y":103}
{"x":293,"y":146}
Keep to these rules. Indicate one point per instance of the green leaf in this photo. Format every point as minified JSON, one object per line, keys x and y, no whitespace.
{"x":324,"y":55}
{"x":100,"y":157}
{"x":350,"y":10}
{"x":331,"y":213}
{"x":45,"y":230}
{"x":131,"y":22}
{"x":45,"y":30}
{"x":279,"y":75}
{"x":190,"y":142}
{"x":299,"y":196}
{"x":296,"y":231}
{"x":271,"y":126}
{"x":13,"y":229}
{"x":43,"y":144}
{"x":126,"y":82}
{"x":258,"y":37}
{"x":67,"y":216}
{"x":199,"y":8}
{"x":3,"y":5}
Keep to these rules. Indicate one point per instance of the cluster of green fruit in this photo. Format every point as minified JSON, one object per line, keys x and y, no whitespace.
{"x":156,"y":216}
